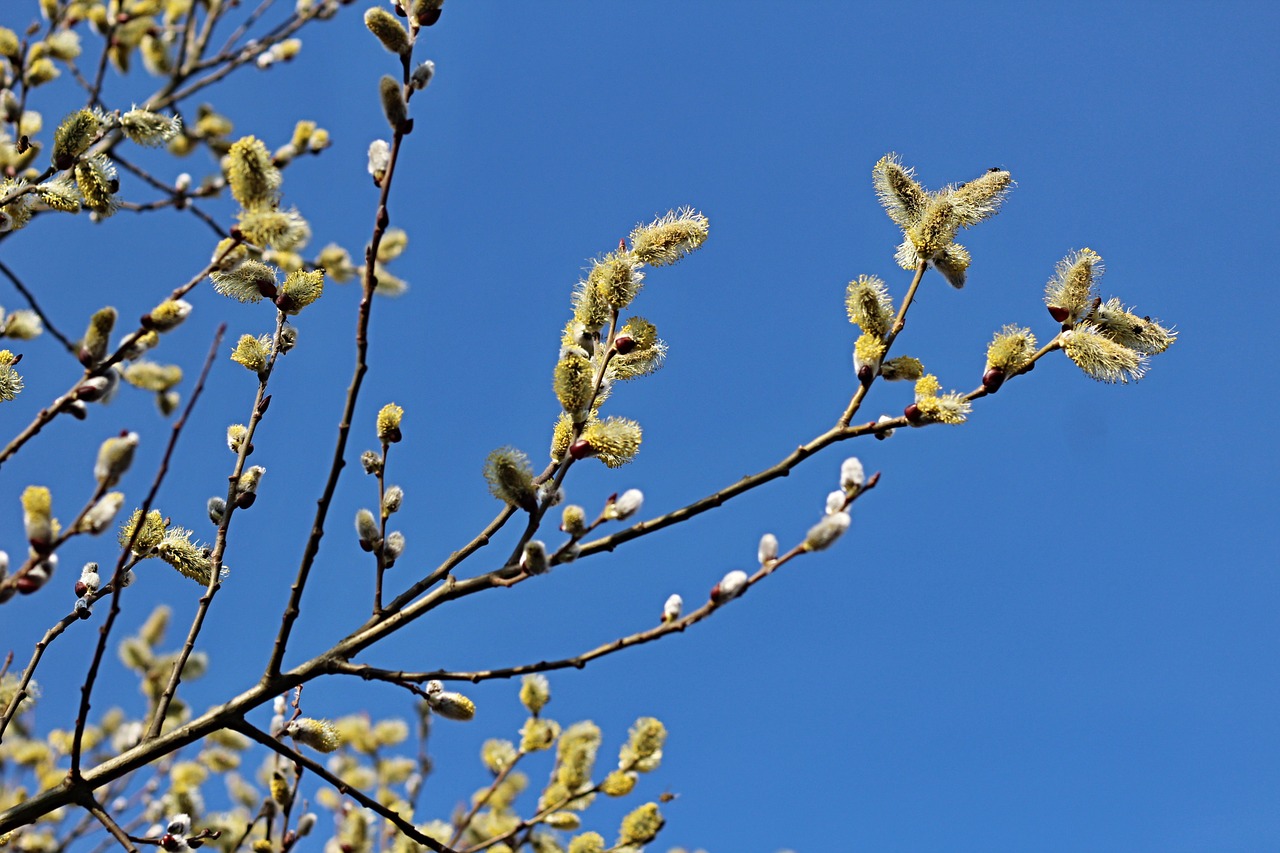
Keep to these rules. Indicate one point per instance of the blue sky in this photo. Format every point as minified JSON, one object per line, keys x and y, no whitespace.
{"x":1053,"y":628}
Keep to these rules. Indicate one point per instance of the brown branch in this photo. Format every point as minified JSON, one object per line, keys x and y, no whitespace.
{"x":480,"y":801}
{"x":59,"y":404}
{"x":106,"y":820}
{"x":381,"y":221}
{"x":86,"y":690}
{"x":260,"y":403}
{"x":251,"y":731}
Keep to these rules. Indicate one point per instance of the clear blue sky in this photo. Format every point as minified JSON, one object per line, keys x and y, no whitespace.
{"x":1051,"y":629}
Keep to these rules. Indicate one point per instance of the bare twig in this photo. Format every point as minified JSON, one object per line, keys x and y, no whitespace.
{"x":382,"y":220}
{"x":107,"y":821}
{"x":220,"y":542}
{"x":356,"y":794}
{"x":35,"y":306}
{"x":86,"y":690}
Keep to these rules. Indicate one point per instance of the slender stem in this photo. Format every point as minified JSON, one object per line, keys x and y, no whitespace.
{"x":220,"y":541}
{"x":482,"y":799}
{"x":111,"y":826}
{"x":47,"y":414}
{"x":86,"y":690}
{"x":251,"y":731}
{"x":382,"y":220}
{"x":379,"y":553}
{"x":35,"y":306}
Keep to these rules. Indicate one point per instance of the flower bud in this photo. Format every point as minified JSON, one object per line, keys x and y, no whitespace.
{"x":367,"y":529}
{"x":535,"y":693}
{"x":389,"y":417}
{"x":731,"y":586}
{"x":392,"y":500}
{"x":388,"y":30}
{"x":625,"y":506}
{"x":671,"y":609}
{"x":392,"y":548}
{"x":768,"y":549}
{"x":90,"y":580}
{"x":320,"y":735}
{"x":573,"y":520}
{"x":100,"y":516}
{"x":379,"y":159}
{"x":114,"y":457}
{"x":393,"y":105}
{"x":452,"y":706}
{"x":534,"y":558}
{"x":884,"y":433}
{"x":422,"y":75}
{"x":852,"y":475}
{"x":217,"y":508}
{"x":826,"y":531}
{"x":371,"y":462}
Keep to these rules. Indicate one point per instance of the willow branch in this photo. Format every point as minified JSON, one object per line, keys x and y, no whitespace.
{"x":382,"y":220}
{"x":220,"y":542}
{"x":35,"y":306}
{"x":60,"y":403}
{"x":104,"y":633}
{"x":109,"y":823}
{"x":251,"y":731}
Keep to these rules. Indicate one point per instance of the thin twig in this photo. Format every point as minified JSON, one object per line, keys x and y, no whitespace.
{"x":47,"y":414}
{"x":35,"y":306}
{"x":104,"y":633}
{"x":248,"y":729}
{"x":480,"y":801}
{"x":220,"y":542}
{"x":381,"y":221}
{"x":106,"y":820}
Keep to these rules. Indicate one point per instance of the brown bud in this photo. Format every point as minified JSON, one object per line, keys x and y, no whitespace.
{"x":993,"y":379}
{"x":81,"y":589}
{"x":581,"y":449}
{"x":1059,"y":313}
{"x":914,"y":416}
{"x":866,"y":373}
{"x":244,"y":500}
{"x":624,"y":344}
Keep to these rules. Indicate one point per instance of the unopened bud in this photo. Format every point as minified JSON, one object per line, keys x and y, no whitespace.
{"x":852,"y":475}
{"x":731,"y":586}
{"x":367,"y":529}
{"x":914,"y":416}
{"x":992,"y":380}
{"x":1058,"y":313}
{"x":534,"y":558}
{"x":422,"y":75}
{"x":768,"y":549}
{"x":624,"y":344}
{"x":392,"y":548}
{"x":671,"y":609}
{"x":826,"y":531}
{"x":625,"y":506}
{"x":217,"y":508}
{"x":392,"y":500}
{"x":114,"y":457}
